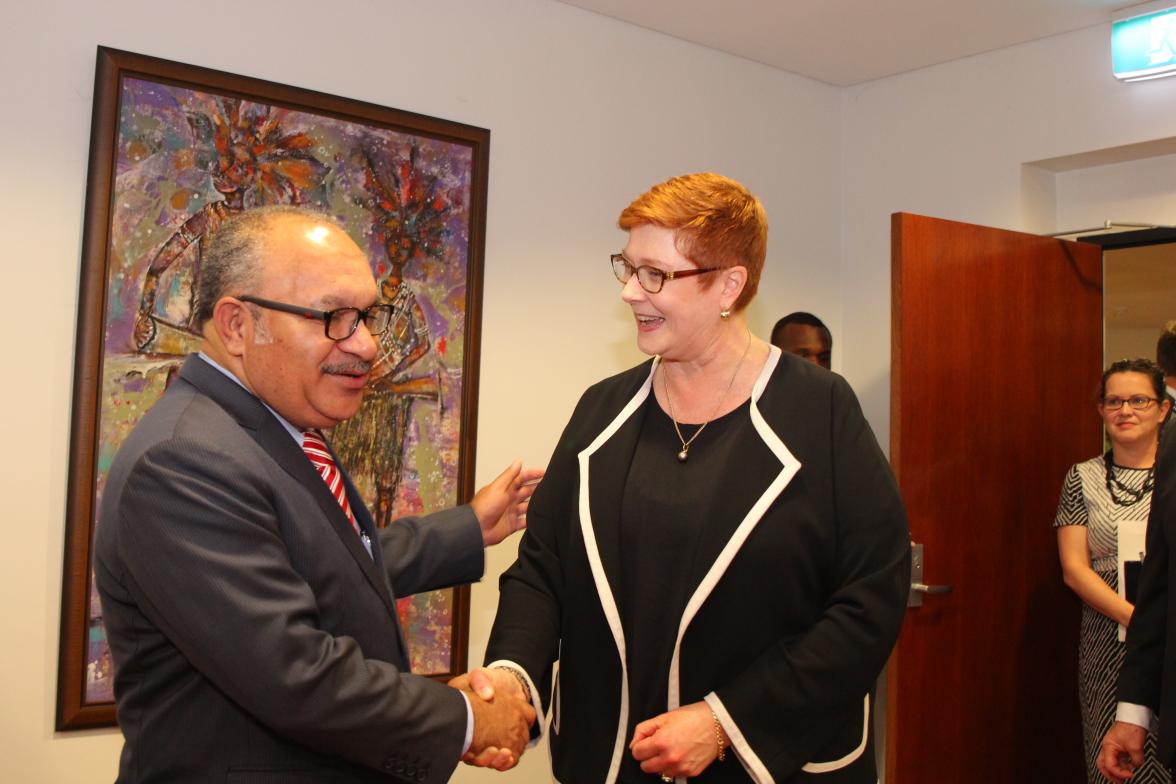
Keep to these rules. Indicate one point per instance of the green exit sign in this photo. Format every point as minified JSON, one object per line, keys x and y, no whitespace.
{"x":1144,"y":47}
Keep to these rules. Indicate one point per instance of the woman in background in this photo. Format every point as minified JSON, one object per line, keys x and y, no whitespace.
{"x":1101,"y":519}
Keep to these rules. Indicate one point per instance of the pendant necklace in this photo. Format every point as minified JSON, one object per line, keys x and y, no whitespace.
{"x":685,"y":453}
{"x":1130,"y":496}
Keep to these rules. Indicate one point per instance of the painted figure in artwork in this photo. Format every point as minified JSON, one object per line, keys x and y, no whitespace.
{"x":253,"y":162}
{"x":410,"y":210}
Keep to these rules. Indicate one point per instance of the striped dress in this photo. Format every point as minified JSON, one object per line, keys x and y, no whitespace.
{"x":1086,"y":501}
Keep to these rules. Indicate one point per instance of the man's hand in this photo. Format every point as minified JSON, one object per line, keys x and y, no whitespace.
{"x":679,"y":743}
{"x":501,"y":506}
{"x":1122,"y":751}
{"x":502,"y":718}
{"x":486,"y":682}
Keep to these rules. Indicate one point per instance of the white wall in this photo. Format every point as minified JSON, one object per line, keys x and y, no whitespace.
{"x":1132,"y":191}
{"x":950,"y":141}
{"x":1124,"y":343}
{"x":585,"y":113}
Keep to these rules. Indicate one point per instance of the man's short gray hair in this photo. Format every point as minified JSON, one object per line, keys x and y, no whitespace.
{"x":231,"y":262}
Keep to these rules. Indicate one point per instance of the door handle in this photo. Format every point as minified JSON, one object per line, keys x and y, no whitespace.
{"x":918,"y":587}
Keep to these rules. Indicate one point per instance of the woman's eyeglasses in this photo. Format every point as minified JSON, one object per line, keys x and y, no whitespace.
{"x":1137,"y":402}
{"x":650,"y":278}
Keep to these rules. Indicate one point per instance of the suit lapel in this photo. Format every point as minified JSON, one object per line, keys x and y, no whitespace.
{"x":289,"y":455}
{"x":608,"y":469}
{"x":271,"y":436}
{"x":603,"y":472}
{"x":601,"y":495}
{"x":373,"y":568}
{"x":787,"y":468}
{"x":604,"y":466}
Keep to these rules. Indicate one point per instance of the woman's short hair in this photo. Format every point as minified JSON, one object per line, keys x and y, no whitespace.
{"x":717,"y":223}
{"x":1144,"y":366}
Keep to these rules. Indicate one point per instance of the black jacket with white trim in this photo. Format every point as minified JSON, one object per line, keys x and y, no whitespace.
{"x":786,"y":631}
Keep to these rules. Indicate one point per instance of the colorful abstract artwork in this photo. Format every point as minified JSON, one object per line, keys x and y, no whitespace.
{"x":178,"y":150}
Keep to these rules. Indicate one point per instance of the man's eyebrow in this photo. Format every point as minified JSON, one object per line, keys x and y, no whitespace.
{"x":334,"y":301}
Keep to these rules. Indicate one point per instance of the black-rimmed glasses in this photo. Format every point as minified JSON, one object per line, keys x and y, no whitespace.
{"x":338,"y":324}
{"x":650,"y":278}
{"x":1137,"y":402}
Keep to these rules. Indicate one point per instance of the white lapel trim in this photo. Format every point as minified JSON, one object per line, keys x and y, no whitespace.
{"x":608,"y":602}
{"x":789,"y":465}
{"x":747,"y":757}
{"x":838,"y":764}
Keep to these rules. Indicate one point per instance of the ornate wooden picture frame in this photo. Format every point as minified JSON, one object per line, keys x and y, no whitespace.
{"x":175,"y":150}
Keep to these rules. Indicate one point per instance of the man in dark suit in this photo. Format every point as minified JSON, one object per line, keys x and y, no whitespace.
{"x":250,"y":607}
{"x":1147,"y":680}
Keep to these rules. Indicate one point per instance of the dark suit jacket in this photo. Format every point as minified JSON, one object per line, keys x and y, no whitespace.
{"x":786,"y":630}
{"x":254,"y":639}
{"x":1148,"y":676}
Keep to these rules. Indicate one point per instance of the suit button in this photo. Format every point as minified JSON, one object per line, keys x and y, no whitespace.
{"x":388,"y":764}
{"x":420,"y":775}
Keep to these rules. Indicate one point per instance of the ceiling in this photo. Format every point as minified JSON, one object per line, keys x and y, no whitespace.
{"x":846,"y":42}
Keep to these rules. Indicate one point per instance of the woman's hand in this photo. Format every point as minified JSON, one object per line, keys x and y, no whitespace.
{"x":679,"y":743}
{"x":1074,"y":553}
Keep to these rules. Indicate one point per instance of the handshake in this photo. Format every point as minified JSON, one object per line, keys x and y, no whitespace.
{"x":503,"y":716}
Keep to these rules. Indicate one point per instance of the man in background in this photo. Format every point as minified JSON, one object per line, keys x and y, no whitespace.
{"x":248,"y":597}
{"x":1166,"y":356}
{"x":806,"y":336}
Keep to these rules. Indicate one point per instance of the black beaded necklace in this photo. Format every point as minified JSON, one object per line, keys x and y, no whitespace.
{"x":1131,"y":495}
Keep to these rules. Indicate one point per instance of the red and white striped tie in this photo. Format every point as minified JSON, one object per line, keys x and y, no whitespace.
{"x":320,"y":457}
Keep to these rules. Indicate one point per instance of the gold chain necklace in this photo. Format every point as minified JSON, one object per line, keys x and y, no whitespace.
{"x":685,"y":453}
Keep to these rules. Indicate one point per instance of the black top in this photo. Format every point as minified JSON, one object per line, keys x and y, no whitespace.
{"x":675,"y":518}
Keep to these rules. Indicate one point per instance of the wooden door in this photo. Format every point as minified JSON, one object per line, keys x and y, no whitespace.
{"x":996,"y":355}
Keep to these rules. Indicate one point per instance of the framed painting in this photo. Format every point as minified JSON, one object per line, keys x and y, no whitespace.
{"x":175,"y":151}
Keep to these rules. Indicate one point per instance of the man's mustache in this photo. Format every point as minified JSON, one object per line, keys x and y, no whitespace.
{"x":352,"y":368}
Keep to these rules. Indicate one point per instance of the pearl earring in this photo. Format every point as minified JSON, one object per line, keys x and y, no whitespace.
{"x":724,"y":314}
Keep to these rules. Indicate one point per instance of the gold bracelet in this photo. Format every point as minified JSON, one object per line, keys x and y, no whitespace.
{"x":719,"y":737}
{"x":523,"y":687}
